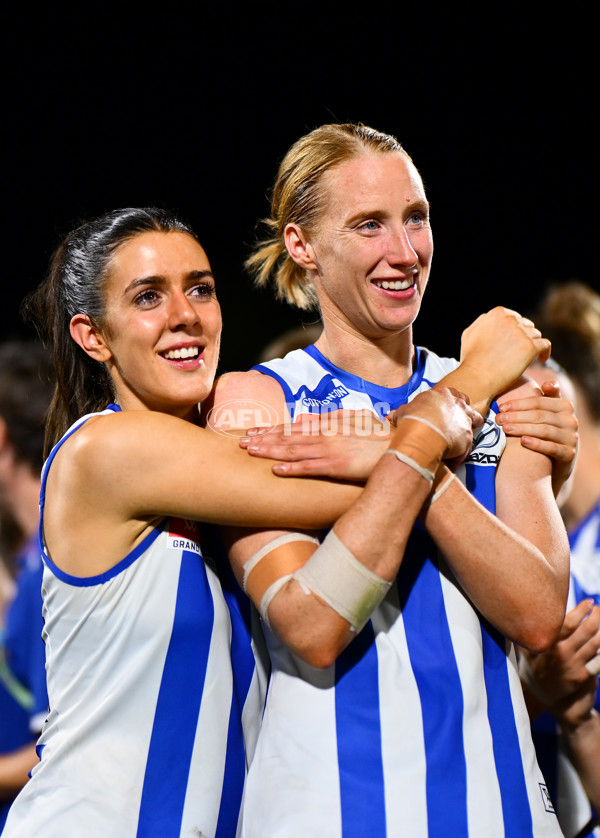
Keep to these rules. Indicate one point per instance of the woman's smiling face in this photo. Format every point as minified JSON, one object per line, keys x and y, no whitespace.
{"x":373,"y":244}
{"x":162,"y":323}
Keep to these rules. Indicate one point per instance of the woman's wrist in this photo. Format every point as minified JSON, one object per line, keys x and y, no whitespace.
{"x":424,"y":444}
{"x":577,"y":724}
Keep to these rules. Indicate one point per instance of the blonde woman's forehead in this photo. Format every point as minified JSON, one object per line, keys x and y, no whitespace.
{"x":367,"y":176}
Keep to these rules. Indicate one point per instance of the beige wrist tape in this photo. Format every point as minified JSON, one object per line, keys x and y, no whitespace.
{"x":334,"y":575}
{"x":421,"y":444}
{"x":424,"y":421}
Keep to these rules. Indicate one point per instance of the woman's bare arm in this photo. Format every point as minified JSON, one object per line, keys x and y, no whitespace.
{"x":513,"y":565}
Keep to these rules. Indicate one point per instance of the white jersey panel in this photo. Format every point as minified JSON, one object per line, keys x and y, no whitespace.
{"x":282,"y":798}
{"x":405,"y":800}
{"x":484,"y":800}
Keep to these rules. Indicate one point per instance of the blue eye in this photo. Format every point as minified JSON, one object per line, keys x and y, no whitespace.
{"x":418,"y":218}
{"x":369,"y":226}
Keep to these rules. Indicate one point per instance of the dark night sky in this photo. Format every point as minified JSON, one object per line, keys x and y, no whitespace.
{"x":193,"y":111}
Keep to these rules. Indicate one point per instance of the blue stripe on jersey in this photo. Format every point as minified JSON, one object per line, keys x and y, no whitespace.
{"x":434,"y":666}
{"x":359,"y":756}
{"x":242,"y":663}
{"x":507,"y":752}
{"x":178,"y":704}
{"x":234,"y":775}
{"x":481,"y":482}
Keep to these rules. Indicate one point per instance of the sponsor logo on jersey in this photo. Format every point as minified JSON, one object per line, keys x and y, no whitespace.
{"x":184,"y":535}
{"x":489,"y":437}
{"x":328,"y":392}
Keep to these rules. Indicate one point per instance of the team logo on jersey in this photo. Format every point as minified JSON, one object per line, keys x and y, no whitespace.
{"x":184,"y":535}
{"x":548,"y":805}
{"x":237,"y":415}
{"x":486,"y":445}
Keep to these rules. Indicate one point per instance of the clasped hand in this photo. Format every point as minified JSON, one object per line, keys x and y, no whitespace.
{"x":346,"y":444}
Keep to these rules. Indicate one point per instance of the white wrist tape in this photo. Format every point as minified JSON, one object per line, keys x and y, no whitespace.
{"x":404,"y":458}
{"x":426,"y":422}
{"x":439,"y":492}
{"x":334,"y":575}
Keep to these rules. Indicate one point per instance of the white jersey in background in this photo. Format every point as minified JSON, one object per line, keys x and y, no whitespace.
{"x":572,"y":804}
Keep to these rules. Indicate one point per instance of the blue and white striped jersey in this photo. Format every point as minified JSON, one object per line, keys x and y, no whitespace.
{"x":155,"y":697}
{"x":420,"y":728}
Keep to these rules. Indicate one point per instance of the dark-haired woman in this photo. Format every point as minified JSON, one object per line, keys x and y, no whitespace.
{"x":154,"y":691}
{"x":155,"y":694}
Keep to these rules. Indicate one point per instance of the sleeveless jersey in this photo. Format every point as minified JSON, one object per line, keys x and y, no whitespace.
{"x":572,"y":805}
{"x":154,"y":696}
{"x":419,"y":730}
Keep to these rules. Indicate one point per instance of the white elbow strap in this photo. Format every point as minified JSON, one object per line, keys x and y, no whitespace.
{"x":268,"y":595}
{"x":335,"y":576}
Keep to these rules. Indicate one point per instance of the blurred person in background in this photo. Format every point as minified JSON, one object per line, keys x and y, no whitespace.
{"x":561,"y":684}
{"x":26,"y":385}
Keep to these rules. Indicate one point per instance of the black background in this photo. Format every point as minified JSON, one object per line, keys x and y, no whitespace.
{"x":192,"y":107}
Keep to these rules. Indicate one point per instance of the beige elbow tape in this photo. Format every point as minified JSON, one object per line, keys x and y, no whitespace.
{"x":334,"y":575}
{"x":262,"y":580}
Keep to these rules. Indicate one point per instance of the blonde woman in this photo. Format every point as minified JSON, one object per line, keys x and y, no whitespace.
{"x":410,"y":723}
